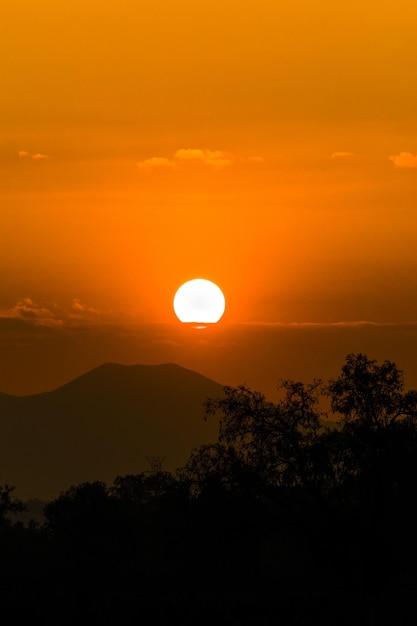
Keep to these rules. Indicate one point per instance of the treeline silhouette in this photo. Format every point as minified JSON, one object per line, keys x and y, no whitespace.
{"x":294,"y":516}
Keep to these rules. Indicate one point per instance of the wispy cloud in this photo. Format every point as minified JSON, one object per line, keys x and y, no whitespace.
{"x":38,"y":156}
{"x":404,"y":160}
{"x":51,"y":315}
{"x":81,"y":311}
{"x":156,"y":163}
{"x":341,"y":155}
{"x":215,"y":159}
{"x":340,"y":324}
{"x":33,"y":313}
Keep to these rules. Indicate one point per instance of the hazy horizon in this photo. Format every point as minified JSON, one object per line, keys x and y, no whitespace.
{"x":258,"y":355}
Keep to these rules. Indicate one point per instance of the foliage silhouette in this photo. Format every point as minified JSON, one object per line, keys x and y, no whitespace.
{"x":8,"y":505}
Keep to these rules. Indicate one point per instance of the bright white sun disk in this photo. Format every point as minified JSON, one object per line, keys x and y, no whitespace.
{"x":199,"y":301}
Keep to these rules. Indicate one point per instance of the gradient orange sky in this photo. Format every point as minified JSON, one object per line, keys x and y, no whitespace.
{"x":269,"y":147}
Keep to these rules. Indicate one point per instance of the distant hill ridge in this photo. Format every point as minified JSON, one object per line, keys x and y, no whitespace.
{"x":102,"y":424}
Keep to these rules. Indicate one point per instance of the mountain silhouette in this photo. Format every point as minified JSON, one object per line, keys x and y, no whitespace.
{"x":103,"y":424}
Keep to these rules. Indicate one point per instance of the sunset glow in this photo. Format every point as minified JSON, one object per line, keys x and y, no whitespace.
{"x":282,"y":160}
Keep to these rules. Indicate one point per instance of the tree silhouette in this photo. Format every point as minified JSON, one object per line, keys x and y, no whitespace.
{"x":346,"y":487}
{"x":276,"y":439}
{"x":8,"y":505}
{"x":370,"y":395}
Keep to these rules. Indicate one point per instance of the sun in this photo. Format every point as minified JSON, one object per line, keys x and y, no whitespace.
{"x":199,"y":302}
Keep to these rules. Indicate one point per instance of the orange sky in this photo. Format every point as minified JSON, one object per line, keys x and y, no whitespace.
{"x":269,"y":147}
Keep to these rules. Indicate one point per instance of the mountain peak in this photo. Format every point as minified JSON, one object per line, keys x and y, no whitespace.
{"x":102,"y":424}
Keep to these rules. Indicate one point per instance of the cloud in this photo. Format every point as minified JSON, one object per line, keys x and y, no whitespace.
{"x":155,"y":163}
{"x":186,"y":156}
{"x":324,"y":325}
{"x":341,"y":155}
{"x":78,"y":306}
{"x":31,"y":313}
{"x":38,"y":156}
{"x":81,"y":311}
{"x":190,"y":154}
{"x":405,"y":160}
{"x":24,"y":154}
{"x":213,"y":158}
